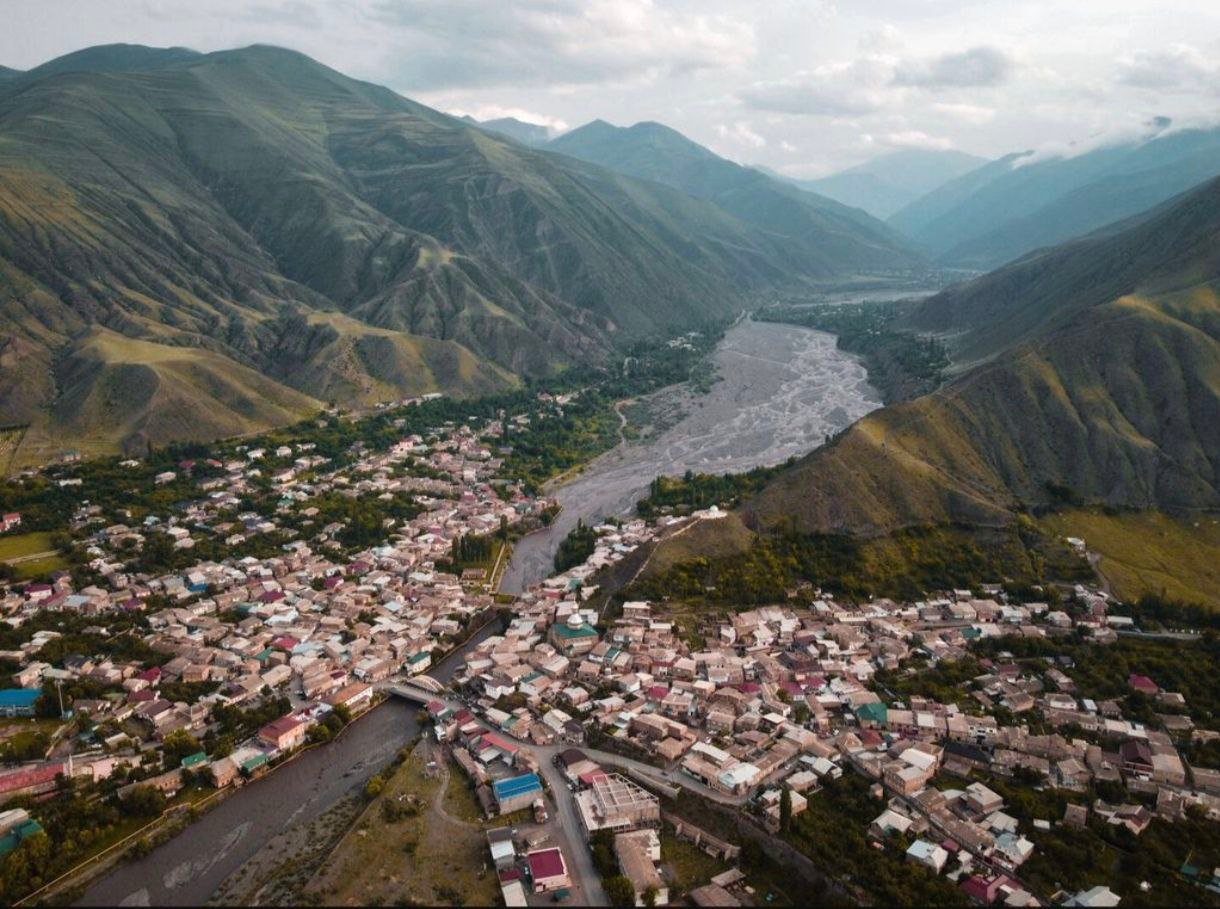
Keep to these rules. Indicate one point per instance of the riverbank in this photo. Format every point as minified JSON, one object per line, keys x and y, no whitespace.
{"x":189,"y":868}
{"x":782,"y":391}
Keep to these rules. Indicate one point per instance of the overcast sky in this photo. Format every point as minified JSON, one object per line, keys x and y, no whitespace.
{"x":805,"y":86}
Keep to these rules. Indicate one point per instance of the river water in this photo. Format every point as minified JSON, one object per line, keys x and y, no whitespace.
{"x":782,"y":391}
{"x":187,"y":870}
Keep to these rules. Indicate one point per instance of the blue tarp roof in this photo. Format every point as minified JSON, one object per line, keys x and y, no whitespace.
{"x":517,"y":785}
{"x":19,"y":697}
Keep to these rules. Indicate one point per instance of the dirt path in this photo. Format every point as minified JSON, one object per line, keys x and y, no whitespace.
{"x":30,"y":557}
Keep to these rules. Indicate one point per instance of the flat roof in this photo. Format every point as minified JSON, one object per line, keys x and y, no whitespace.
{"x":547,"y":863}
{"x":517,"y":785}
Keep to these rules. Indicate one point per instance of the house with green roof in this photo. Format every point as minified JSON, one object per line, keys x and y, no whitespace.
{"x":873,"y":713}
{"x":573,"y":638}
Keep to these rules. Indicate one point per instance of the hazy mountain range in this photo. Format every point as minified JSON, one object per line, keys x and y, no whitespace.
{"x":256,"y":233}
{"x":1004,"y":209}
{"x":199,"y":245}
{"x":890,"y":182}
{"x":1097,"y":379}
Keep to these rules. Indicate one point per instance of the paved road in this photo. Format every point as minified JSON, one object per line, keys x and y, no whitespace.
{"x":572,"y":840}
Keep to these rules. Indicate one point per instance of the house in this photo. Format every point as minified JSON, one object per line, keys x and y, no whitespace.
{"x":355,"y":697}
{"x":10,"y":521}
{"x":285,"y":733}
{"x":548,"y":870}
{"x":1136,"y":757}
{"x":637,"y":854}
{"x":18,"y":701}
{"x":503,"y":852}
{"x":1143,"y":684}
{"x":982,"y":800}
{"x":928,"y":854}
{"x":1094,"y":897}
{"x":516,"y":792}
{"x":573,"y":637}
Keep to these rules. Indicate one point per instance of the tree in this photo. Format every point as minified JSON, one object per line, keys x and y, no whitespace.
{"x":144,"y":801}
{"x":785,"y":809}
{"x":179,"y":744}
{"x":620,"y":891}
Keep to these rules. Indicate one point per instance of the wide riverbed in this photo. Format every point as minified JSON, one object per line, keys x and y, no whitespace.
{"x":782,"y":391}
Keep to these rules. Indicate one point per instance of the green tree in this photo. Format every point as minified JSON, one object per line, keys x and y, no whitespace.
{"x":620,"y":891}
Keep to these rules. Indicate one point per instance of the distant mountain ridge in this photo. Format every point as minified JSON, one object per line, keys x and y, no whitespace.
{"x":334,"y":238}
{"x":527,"y":133}
{"x":890,"y":182}
{"x":1019,"y":203}
{"x":826,"y":234}
{"x":1099,"y":381}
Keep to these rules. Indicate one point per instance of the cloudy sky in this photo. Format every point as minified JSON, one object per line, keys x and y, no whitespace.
{"x":805,"y":86}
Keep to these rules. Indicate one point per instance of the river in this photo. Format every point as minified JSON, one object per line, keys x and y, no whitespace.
{"x":186,"y":870}
{"x":782,"y":390}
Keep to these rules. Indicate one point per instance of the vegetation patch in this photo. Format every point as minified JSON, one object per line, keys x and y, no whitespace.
{"x":903,"y":565}
{"x":1147,"y":552}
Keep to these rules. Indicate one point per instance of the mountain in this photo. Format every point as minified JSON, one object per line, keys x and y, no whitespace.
{"x":327,"y":234}
{"x":826,"y":235}
{"x":1107,"y":389}
{"x":6,"y":74}
{"x":890,"y":182}
{"x":1022,"y":202}
{"x":525,"y":133}
{"x":112,"y":58}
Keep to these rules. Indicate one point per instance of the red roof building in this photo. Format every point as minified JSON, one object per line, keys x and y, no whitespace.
{"x":285,"y":733}
{"x":548,"y":869}
{"x":1143,"y":684}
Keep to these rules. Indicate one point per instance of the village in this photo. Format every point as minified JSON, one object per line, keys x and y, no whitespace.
{"x":584,"y":711}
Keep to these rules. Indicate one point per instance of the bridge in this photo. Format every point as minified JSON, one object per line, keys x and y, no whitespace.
{"x":421,"y":689}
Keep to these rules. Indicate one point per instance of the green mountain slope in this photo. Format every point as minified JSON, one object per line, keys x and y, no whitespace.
{"x":825,"y":234}
{"x":1110,"y":393}
{"x":220,"y":202}
{"x":890,"y":182}
{"x":1016,"y":204}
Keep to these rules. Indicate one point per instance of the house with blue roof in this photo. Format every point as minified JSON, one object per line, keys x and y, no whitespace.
{"x":18,"y":701}
{"x":517,"y":792}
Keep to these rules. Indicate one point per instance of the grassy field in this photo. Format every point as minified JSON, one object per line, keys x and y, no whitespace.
{"x":686,"y":866}
{"x":1148,"y":552}
{"x":720,"y":538}
{"x":421,"y":858}
{"x":16,"y":546}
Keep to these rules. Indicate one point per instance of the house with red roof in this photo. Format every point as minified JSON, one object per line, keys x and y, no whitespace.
{"x":29,"y":780}
{"x":548,"y":869}
{"x":1143,"y":684}
{"x":285,"y":733}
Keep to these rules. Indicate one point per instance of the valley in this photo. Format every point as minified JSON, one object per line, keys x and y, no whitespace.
{"x":424,"y":490}
{"x":781,"y":390}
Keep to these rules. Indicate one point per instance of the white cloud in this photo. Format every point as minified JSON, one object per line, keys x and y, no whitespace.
{"x":463,"y":43}
{"x":975,"y":67}
{"x":741,"y":133}
{"x":1178,"y":67}
{"x":914,"y":138}
{"x":974,"y":114}
{"x":834,"y":90}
